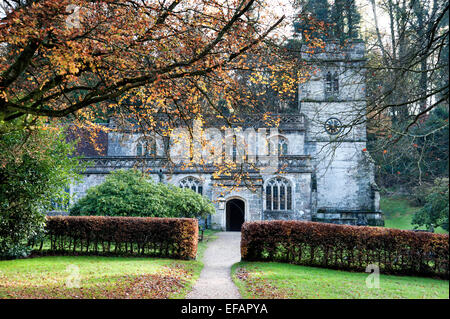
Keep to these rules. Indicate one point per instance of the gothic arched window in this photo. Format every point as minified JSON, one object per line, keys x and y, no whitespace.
{"x":146,"y":147}
{"x":332,"y":83}
{"x":281,"y":145}
{"x":278,"y":194}
{"x":192,"y":183}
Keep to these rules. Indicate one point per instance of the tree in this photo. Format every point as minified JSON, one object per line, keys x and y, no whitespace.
{"x":35,"y":168}
{"x":340,"y":18}
{"x":86,"y":62}
{"x":435,"y":211}
{"x":312,"y":14}
{"x":132,"y":193}
{"x":407,"y":91}
{"x":60,"y":57}
{"x":411,"y":61}
{"x":414,"y":160}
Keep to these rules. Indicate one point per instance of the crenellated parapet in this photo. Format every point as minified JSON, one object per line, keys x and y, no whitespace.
{"x":334,"y":51}
{"x":106,"y":164}
{"x":288,"y":121}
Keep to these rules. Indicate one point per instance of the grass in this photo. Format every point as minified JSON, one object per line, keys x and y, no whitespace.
{"x":208,"y":236}
{"x":398,"y":213}
{"x":101,"y":277}
{"x":278,"y":280}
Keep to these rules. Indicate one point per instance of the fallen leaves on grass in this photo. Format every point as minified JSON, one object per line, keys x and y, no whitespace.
{"x":161,"y":285}
{"x":259,"y":288}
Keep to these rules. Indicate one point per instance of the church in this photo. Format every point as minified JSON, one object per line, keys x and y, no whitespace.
{"x":322,"y":170}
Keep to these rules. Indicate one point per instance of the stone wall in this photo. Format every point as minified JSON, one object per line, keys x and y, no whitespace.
{"x":124,"y":144}
{"x":79,"y":189}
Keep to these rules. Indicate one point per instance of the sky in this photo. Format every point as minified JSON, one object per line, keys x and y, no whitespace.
{"x":284,"y":7}
{"x":280,"y":7}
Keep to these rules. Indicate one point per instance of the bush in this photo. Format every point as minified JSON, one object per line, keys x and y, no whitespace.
{"x":35,"y":169}
{"x":346,"y":247}
{"x":419,"y":194}
{"x":163,"y":237}
{"x":434,"y":213}
{"x":129,"y":193}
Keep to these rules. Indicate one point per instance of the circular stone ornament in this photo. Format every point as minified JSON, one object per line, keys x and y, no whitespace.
{"x":333,"y":126}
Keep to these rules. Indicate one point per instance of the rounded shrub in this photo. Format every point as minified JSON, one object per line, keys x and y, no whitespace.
{"x":132,"y":193}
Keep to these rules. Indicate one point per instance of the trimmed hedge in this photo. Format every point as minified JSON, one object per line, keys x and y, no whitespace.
{"x":346,"y":247}
{"x":163,"y":237}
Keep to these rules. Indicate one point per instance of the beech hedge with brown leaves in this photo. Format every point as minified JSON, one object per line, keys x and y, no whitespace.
{"x":162,"y":237}
{"x":346,"y":247}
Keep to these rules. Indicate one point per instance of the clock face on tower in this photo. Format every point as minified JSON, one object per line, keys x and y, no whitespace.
{"x":333,"y":126}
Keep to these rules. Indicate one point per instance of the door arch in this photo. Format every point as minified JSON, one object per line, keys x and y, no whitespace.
{"x":235,"y":214}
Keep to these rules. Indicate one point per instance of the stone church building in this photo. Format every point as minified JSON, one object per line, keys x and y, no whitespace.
{"x":325,"y":172}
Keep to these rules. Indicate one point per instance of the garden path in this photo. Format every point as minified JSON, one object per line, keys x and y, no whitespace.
{"x":215,"y":279}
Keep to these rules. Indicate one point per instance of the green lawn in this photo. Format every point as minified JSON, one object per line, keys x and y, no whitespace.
{"x":398,"y":213}
{"x":100,"y":277}
{"x":278,"y":280}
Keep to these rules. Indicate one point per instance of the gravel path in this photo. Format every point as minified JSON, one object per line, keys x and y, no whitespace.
{"x":215,"y":279}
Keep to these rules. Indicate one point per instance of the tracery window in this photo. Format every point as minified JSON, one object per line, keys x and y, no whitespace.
{"x":192,"y":183}
{"x":278,"y":194}
{"x":282,"y":145}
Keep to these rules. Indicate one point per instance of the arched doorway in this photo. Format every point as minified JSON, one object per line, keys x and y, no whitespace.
{"x":235,"y":214}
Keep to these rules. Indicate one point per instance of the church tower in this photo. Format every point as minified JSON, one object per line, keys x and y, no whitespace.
{"x":333,"y":102}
